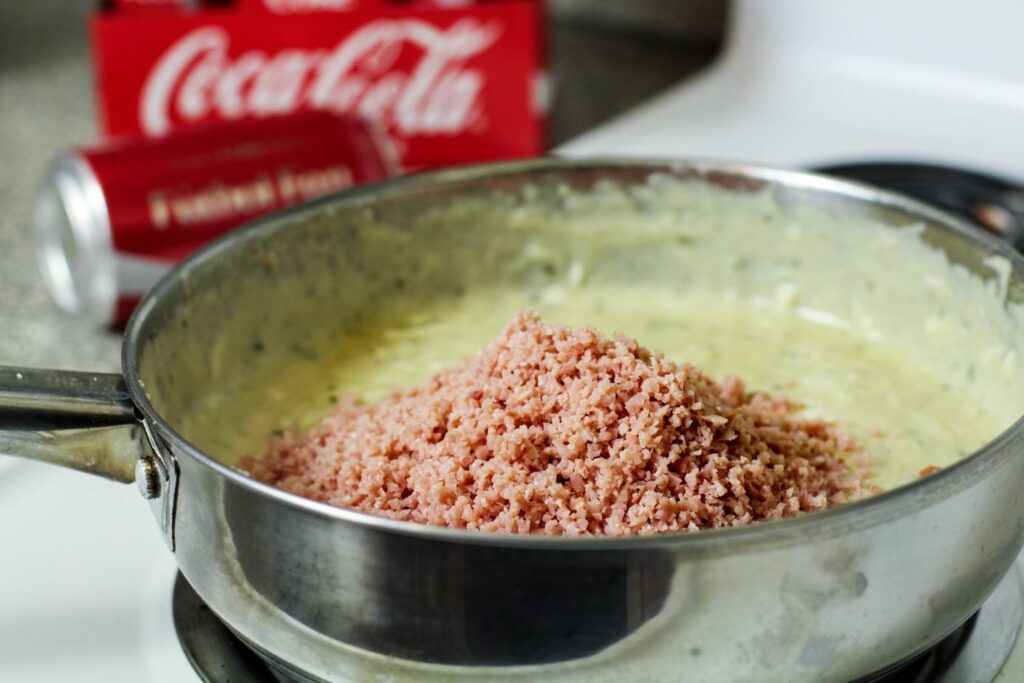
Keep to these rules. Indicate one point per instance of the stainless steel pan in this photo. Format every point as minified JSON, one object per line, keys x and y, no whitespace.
{"x":337,"y":595}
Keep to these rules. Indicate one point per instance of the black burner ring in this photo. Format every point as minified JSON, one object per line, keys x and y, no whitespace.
{"x":219,"y":656}
{"x":996,"y":204}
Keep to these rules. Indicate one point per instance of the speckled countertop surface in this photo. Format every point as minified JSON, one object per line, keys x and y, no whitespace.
{"x":46,"y":106}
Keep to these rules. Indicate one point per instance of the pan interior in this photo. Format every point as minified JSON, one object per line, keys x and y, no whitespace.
{"x":904,"y":330}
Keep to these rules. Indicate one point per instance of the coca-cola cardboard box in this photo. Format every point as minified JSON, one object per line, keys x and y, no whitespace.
{"x":451,"y":84}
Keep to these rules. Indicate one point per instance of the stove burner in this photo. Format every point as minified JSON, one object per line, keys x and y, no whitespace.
{"x":993,"y":203}
{"x":975,"y":651}
{"x":930,"y":664}
{"x":217,"y":655}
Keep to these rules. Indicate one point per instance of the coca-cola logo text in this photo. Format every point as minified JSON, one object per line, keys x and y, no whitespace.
{"x":197,"y":78}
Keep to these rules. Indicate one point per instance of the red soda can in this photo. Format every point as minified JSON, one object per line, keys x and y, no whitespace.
{"x":112,"y":220}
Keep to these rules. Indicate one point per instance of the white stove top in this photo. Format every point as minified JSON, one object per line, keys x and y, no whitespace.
{"x":87,"y":589}
{"x":812,"y":82}
{"x":86,"y":595}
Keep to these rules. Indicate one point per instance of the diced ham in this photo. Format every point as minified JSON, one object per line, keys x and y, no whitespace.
{"x":556,"y":431}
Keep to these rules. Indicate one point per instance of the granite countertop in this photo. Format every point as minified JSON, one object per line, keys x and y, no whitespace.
{"x":45,"y":107}
{"x":606,"y":56}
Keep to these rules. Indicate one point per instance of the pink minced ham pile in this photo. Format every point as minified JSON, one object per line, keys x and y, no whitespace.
{"x":558,"y":431}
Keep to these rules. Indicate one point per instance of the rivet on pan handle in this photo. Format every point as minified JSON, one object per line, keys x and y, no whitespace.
{"x":156,"y":475}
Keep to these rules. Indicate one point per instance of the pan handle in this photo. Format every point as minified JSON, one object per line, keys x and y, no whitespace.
{"x":81,"y":420}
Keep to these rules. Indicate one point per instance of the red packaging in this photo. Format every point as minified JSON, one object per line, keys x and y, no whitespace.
{"x":112,"y":219}
{"x":451,"y":85}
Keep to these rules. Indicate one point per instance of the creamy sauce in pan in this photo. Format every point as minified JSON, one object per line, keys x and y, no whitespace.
{"x":865,"y":323}
{"x":904,"y":417}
